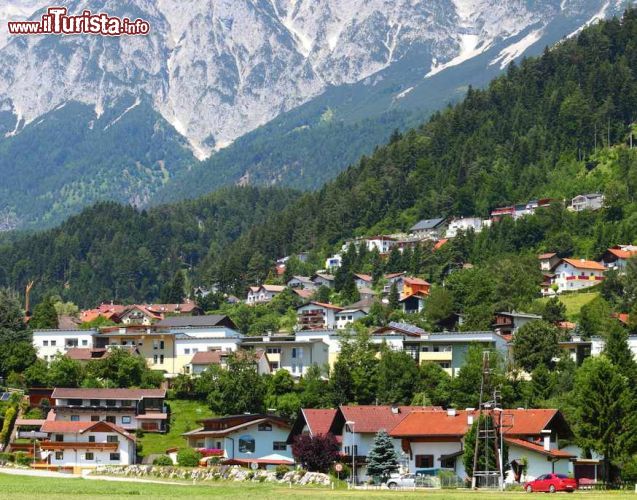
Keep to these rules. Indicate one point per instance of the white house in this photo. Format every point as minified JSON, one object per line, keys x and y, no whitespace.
{"x":245,"y":439}
{"x":363,"y":280}
{"x":323,"y":279}
{"x":301,"y":282}
{"x":317,"y":316}
{"x":202,"y":360}
{"x":289,"y":353}
{"x":347,"y":317}
{"x":435,"y":440}
{"x":464,"y":224}
{"x":333,"y":262}
{"x":129,"y":409}
{"x":429,"y":228}
{"x":577,"y":274}
{"x":263,"y":293}
{"x":86,"y":444}
{"x":548,"y":261}
{"x":49,"y":343}
{"x":617,"y":257}
{"x":383,"y":244}
{"x":592,"y":201}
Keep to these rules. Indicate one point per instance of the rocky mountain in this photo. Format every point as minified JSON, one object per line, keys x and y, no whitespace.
{"x":212,"y":72}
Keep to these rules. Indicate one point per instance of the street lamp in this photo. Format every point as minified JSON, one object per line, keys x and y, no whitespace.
{"x":351,"y":424}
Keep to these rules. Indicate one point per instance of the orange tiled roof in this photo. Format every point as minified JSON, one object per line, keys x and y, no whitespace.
{"x":585,"y":264}
{"x":538,"y":448}
{"x":374,"y":418}
{"x":622,"y":254}
{"x":319,"y":421}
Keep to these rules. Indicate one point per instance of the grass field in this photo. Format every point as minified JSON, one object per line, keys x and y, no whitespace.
{"x":183,"y":418}
{"x":574,"y":302}
{"x":18,"y":487}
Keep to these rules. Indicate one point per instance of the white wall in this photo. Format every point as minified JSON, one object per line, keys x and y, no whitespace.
{"x":437,"y":450}
{"x":126,"y":449}
{"x":49,"y":343}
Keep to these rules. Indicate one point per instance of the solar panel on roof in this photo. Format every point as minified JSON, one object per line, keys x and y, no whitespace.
{"x":5,"y":396}
{"x":406,"y":327}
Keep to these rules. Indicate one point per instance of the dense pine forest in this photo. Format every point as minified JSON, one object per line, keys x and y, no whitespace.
{"x":553,"y":126}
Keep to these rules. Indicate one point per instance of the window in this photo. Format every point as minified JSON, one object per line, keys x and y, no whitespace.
{"x":91,"y":439}
{"x":195,"y":350}
{"x":128,"y":403}
{"x":273,"y":350}
{"x":114,"y":457}
{"x":111,"y":402}
{"x":71,"y":342}
{"x":246,"y":444}
{"x":112,"y":439}
{"x":444,"y":364}
{"x":75,"y":402}
{"x":424,"y":461}
{"x":95,"y":402}
{"x":186,"y":351}
{"x":110,"y":419}
{"x":265,"y":427}
{"x":53,"y":343}
{"x":155,"y":359}
{"x":89,"y":456}
{"x":84,"y":342}
{"x":126,"y":420}
{"x":161,"y":344}
{"x":59,"y":438}
{"x":279,"y":446}
{"x":161,"y":359}
{"x":95,"y":418}
{"x":59,"y":455}
{"x":75,"y":418}
{"x":45,"y":343}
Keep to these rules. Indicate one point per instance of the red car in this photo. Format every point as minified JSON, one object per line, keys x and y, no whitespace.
{"x":551,"y":483}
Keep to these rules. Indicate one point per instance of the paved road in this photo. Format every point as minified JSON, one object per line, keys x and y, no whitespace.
{"x":34,"y":472}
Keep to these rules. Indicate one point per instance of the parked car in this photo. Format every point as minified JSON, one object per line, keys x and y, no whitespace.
{"x":401,"y":481}
{"x":552,"y":483}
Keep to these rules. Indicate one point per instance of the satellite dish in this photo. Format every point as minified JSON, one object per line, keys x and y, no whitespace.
{"x":254,"y":466}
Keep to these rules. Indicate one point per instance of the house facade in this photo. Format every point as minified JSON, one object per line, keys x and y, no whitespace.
{"x":317,"y":316}
{"x":289,"y":353}
{"x":508,"y":323}
{"x":464,"y":224}
{"x":617,"y":257}
{"x":245,"y":439}
{"x":86,"y":444}
{"x":577,"y":274}
{"x":432,"y":229}
{"x":591,"y":201}
{"x":50,"y":343}
{"x":263,"y":294}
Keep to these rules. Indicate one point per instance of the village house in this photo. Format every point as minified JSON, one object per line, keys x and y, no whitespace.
{"x":548,"y":261}
{"x":139,"y":315}
{"x":432,"y":229}
{"x":392,"y":279}
{"x":508,"y":323}
{"x":537,"y":441}
{"x":413,"y":285}
{"x":202,"y":360}
{"x":301,"y":282}
{"x":244,"y":440}
{"x":263,"y":294}
{"x":382,"y":244}
{"x":363,"y":280}
{"x":50,"y":343}
{"x":86,"y":444}
{"x":323,"y":279}
{"x":617,"y":257}
{"x":592,"y":201}
{"x":413,"y":303}
{"x":286,"y":352}
{"x":347,"y":316}
{"x":334,"y":262}
{"x":130,"y":409}
{"x":317,"y":316}
{"x":577,"y":274}
{"x":465,"y":224}
{"x":578,"y":349}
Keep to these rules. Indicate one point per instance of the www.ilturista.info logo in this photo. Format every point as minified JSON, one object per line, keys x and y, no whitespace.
{"x":57,"y":22}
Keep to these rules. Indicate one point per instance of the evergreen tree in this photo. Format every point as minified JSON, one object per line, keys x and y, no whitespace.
{"x":618,"y":352}
{"x":44,"y":315}
{"x":542,"y":386}
{"x":394,"y":297}
{"x":535,"y":343}
{"x":605,"y":412}
{"x":341,"y":384}
{"x":382,"y":459}
{"x":174,"y":291}
{"x":397,"y":377}
{"x":554,"y":311}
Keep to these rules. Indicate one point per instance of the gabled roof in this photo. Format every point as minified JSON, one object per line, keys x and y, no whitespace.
{"x":440,"y":243}
{"x":585,"y":264}
{"x":325,"y":276}
{"x":372,"y":418}
{"x":364,"y":277}
{"x":322,"y":304}
{"x":427,"y":224}
{"x":522,"y":443}
{"x":390,"y":276}
{"x":273,"y":288}
{"x":416,"y":281}
{"x":81,"y":393}
{"x":621,"y":253}
{"x":441,"y":424}
{"x":86,"y":353}
{"x":545,"y":256}
{"x":303,"y":293}
{"x":62,"y":427}
{"x":234,"y":423}
{"x":318,"y":421}
{"x":401,"y":328}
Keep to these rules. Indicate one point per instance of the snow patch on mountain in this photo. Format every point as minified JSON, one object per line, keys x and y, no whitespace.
{"x":510,"y":53}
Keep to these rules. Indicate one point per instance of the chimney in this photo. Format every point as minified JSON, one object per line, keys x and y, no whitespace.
{"x":451,"y":412}
{"x":546,"y":436}
{"x":395,"y":410}
{"x":470,"y":416}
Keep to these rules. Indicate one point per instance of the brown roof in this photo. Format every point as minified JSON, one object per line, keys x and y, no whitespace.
{"x":393,"y":275}
{"x":416,"y":281}
{"x":68,"y":323}
{"x":585,"y":264}
{"x":622,"y":254}
{"x":322,"y":304}
{"x":68,"y":393}
{"x":364,"y":277}
{"x":538,"y":448}
{"x":303,"y":293}
{"x":319,"y":421}
{"x":86,"y":353}
{"x":440,"y":423}
{"x":185,"y":308}
{"x":545,"y":256}
{"x":207,"y":358}
{"x":273,"y":288}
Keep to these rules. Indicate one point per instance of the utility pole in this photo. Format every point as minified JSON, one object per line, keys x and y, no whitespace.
{"x":27,"y":300}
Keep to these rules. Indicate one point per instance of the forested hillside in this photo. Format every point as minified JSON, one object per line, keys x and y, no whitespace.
{"x":542,"y":130}
{"x":111,"y":251}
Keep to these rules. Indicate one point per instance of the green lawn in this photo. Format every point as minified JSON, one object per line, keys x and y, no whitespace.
{"x":183,"y":418}
{"x":17,"y":487}
{"x":574,"y":302}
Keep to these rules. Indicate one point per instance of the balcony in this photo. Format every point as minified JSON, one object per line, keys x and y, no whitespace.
{"x":77,"y":445}
{"x":436,"y":356}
